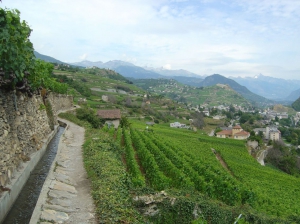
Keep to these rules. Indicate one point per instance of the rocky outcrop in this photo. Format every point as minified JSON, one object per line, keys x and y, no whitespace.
{"x":24,"y":125}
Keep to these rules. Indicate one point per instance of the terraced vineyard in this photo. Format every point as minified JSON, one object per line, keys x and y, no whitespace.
{"x":212,"y":95}
{"x":167,"y":158}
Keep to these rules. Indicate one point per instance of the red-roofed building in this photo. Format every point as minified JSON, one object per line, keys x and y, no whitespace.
{"x":236,"y":133}
{"x":110,"y":116}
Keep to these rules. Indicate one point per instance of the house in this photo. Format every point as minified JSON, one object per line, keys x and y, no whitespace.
{"x":257,"y":130}
{"x":273,"y":133}
{"x":104,"y":98}
{"x":206,"y":112}
{"x":218,"y":117}
{"x":236,"y":133}
{"x":177,"y":125}
{"x":270,"y":133}
{"x":150,"y":123}
{"x":81,"y":101}
{"x":110,"y":116}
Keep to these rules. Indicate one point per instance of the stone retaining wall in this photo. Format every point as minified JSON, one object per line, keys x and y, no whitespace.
{"x":24,"y":125}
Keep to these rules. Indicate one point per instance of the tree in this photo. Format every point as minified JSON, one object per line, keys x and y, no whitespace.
{"x":217,"y":130}
{"x":41,"y":76}
{"x":124,"y":123}
{"x":89,"y":115}
{"x":231,"y":108}
{"x":16,"y":52}
{"x":198,"y":120}
{"x":111,"y":98}
{"x":128,"y":102}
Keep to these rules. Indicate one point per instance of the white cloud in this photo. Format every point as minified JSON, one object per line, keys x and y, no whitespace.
{"x":84,"y":56}
{"x":167,"y":67}
{"x":209,"y":36}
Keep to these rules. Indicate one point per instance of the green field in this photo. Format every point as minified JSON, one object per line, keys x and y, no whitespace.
{"x":182,"y":159}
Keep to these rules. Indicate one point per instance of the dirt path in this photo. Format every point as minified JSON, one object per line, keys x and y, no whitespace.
{"x":65,"y":197}
{"x":260,"y":158}
{"x":223,"y":163}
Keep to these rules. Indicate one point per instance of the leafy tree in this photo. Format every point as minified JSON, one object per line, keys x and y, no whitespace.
{"x":283,"y":157}
{"x":128,"y":102}
{"x":217,"y":130}
{"x":89,"y":115}
{"x":112,"y":98}
{"x":19,"y":70}
{"x":213,"y":111}
{"x":231,"y":108}
{"x":198,"y":120}
{"x":79,"y":86}
{"x":41,"y":76}
{"x":244,"y":118}
{"x":124,"y":123}
{"x":16,"y":52}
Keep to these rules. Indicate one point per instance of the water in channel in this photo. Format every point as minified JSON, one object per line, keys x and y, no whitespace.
{"x":22,"y":209}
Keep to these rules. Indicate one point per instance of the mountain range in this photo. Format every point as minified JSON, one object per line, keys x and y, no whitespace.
{"x":271,"y":88}
{"x":259,"y":88}
{"x":246,"y":93}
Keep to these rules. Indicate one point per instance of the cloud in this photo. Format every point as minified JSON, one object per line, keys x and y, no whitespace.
{"x":84,"y":56}
{"x":167,"y":67}
{"x":226,"y":37}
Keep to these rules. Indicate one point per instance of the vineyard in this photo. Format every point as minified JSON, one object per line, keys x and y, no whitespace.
{"x":164,"y":158}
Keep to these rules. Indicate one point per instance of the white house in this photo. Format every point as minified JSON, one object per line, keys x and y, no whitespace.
{"x":206,"y":112}
{"x":104,"y":98}
{"x":177,"y":125}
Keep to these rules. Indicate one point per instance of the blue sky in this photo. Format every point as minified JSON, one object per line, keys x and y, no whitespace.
{"x":227,"y":37}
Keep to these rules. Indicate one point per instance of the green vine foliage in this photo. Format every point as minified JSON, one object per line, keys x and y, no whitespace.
{"x":16,"y":52}
{"x":50,"y":114}
{"x":41,"y":76}
{"x":19,"y":68}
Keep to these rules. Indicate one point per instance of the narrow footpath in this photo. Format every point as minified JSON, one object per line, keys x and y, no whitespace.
{"x":65,"y":197}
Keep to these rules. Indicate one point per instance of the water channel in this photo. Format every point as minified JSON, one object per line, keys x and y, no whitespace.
{"x":22,"y":209}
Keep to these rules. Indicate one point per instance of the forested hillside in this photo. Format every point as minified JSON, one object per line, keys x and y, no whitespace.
{"x":296,"y":104}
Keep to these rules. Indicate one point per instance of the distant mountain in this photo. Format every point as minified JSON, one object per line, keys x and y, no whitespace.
{"x":192,"y":81}
{"x":130,"y":70}
{"x":218,"y":79}
{"x":296,"y":105}
{"x":137,"y":72}
{"x":47,"y":58}
{"x":269,"y":87}
{"x":172,"y":73}
{"x":117,"y":63}
{"x":86,"y":64}
{"x":124,"y":68}
{"x":294,"y":95}
{"x":110,"y":64}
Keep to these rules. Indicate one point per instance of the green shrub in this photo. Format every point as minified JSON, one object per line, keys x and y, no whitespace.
{"x":89,"y":115}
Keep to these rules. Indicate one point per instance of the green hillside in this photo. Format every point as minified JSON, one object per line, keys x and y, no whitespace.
{"x":47,"y":58}
{"x":94,"y":83}
{"x":174,"y":174}
{"x":215,"y":177}
{"x":246,"y":93}
{"x":296,"y":105}
{"x":212,"y":95}
{"x":243,"y":181}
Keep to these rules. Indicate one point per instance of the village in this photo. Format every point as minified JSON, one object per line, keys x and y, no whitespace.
{"x":267,"y":126}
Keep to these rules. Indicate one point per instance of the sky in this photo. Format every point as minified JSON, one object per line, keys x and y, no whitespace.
{"x":226,"y":37}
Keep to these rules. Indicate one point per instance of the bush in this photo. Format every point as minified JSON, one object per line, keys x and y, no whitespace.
{"x":89,"y":115}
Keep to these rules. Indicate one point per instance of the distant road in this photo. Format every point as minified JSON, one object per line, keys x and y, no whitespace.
{"x":261,"y":157}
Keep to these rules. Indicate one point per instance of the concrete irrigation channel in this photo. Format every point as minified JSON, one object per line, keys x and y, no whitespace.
{"x":24,"y":205}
